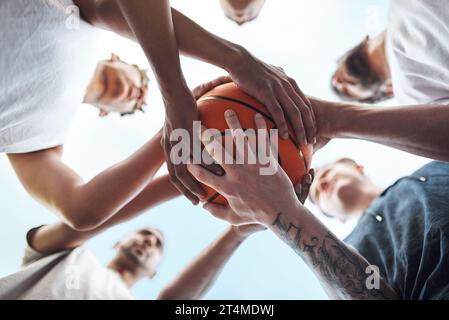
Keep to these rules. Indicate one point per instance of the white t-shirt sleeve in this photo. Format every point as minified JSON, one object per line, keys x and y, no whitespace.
{"x":30,"y":254}
{"x":73,"y":274}
{"x":418,"y":50}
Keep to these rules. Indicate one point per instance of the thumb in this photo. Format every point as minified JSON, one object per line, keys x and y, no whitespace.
{"x":206,"y":87}
{"x":205,"y":176}
{"x":225,"y":213}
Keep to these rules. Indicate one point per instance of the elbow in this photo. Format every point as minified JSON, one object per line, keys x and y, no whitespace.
{"x":80,"y":220}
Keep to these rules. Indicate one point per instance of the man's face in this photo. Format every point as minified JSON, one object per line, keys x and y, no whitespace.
{"x":116,"y":87}
{"x":143,"y":250}
{"x":352,"y":73}
{"x":356,"y":77}
{"x":242,"y":11}
{"x":348,"y":85}
{"x":338,"y":188}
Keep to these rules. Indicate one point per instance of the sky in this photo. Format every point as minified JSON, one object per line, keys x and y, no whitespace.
{"x":305,"y":38}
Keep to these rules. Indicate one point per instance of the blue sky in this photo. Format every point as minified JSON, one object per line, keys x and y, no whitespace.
{"x":305,"y":38}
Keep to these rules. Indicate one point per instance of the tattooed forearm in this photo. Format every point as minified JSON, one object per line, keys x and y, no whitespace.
{"x":339,"y":267}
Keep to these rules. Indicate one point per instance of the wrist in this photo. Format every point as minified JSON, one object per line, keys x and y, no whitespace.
{"x":236,"y":235}
{"x":347,"y":119}
{"x":233,"y":57}
{"x":335,"y":119}
{"x":269,"y":216}
{"x":179,"y":102}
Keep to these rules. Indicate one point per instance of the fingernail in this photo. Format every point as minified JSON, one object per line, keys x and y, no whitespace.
{"x":229,"y":113}
{"x":258,"y":116}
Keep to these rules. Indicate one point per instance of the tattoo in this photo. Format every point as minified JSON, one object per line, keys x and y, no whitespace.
{"x":341,"y":268}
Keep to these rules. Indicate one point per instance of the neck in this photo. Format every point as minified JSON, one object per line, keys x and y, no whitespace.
{"x":370,"y":193}
{"x":129,"y":278}
{"x":378,"y":57}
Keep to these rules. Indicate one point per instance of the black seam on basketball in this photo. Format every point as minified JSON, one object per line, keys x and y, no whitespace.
{"x":214,"y":197}
{"x":245,"y":104}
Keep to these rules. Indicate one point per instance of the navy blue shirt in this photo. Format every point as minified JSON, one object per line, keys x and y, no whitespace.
{"x":405,"y":233}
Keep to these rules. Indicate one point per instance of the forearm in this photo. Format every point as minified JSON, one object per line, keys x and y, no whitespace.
{"x":113,"y":189}
{"x":152,"y":25}
{"x":421,"y":129}
{"x":192,"y":39}
{"x":59,"y":236}
{"x":194,"y":282}
{"x":341,"y":270}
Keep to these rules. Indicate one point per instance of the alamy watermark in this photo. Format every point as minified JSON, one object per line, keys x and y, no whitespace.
{"x":372,"y":281}
{"x":250,"y":146}
{"x":73,"y":18}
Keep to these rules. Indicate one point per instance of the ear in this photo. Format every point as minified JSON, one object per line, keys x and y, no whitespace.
{"x":360,"y":168}
{"x":389,"y":88}
{"x":114,"y":57}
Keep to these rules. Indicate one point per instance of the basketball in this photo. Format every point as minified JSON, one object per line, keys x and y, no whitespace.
{"x":211,"y":106}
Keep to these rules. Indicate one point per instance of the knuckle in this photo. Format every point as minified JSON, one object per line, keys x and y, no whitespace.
{"x":201,"y":175}
{"x":295,"y":112}
{"x":284,"y":82}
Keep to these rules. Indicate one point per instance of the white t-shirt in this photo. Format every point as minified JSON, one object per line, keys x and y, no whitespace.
{"x":68,"y":275}
{"x":45,"y":63}
{"x":418,"y":50}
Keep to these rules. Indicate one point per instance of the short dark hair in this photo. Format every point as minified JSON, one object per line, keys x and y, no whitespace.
{"x":358,"y":66}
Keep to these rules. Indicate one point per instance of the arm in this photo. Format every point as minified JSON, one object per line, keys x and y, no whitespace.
{"x":340,"y":269}
{"x":163,"y":33}
{"x":192,"y":40}
{"x":266,"y":83}
{"x":86,"y":205}
{"x":59,"y":236}
{"x":418,"y":129}
{"x":196,"y":280}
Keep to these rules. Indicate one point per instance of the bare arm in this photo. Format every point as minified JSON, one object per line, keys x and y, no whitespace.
{"x":192,"y":40}
{"x":341,"y":270}
{"x":273,"y":203}
{"x":197,"y":278}
{"x":86,"y":205}
{"x":419,"y":129}
{"x":59,"y":236}
{"x":163,"y":33}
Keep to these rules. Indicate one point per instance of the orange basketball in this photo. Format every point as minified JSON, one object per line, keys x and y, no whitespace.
{"x":294,"y":160}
